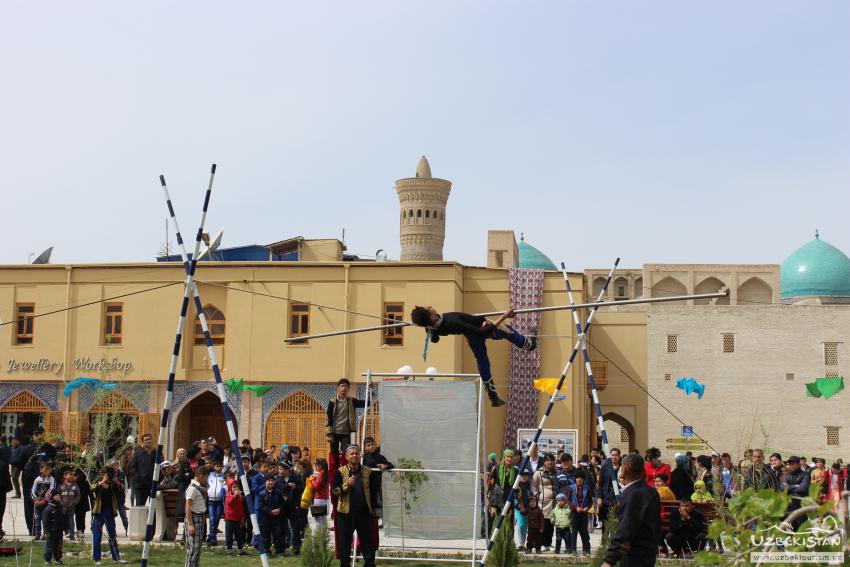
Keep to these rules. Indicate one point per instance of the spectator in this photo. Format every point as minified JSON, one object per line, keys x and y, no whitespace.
{"x":196,"y":516}
{"x":16,"y":460}
{"x":246,"y":449}
{"x":319,"y":509}
{"x":701,"y":494}
{"x":560,"y":518}
{"x":5,"y":486}
{"x":69,"y":494}
{"x":216,"y":492}
{"x":106,"y":505}
{"x":33,"y":455}
{"x":536,"y":527}
{"x":654,"y":466}
{"x":795,"y":482}
{"x":544,"y":487}
{"x":54,"y":526}
{"x":727,"y":476}
{"x":638,"y":519}
{"x":607,"y":477}
{"x":664,"y":491}
{"x":535,"y":461}
{"x":521,"y":497}
{"x":42,"y":490}
{"x":84,"y":505}
{"x":305,"y":471}
{"x":760,"y":475}
{"x":834,"y":484}
{"x":818,"y":474}
{"x":580,"y":503}
{"x":121,"y":495}
{"x":143,"y":462}
{"x":681,"y":483}
{"x":378,"y":463}
{"x":777,"y":465}
{"x":234,"y":517}
{"x":687,"y":530}
{"x":567,"y":475}
{"x":704,"y":473}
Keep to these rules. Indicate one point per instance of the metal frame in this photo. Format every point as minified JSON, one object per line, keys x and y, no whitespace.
{"x":598,"y":303}
{"x":481,"y":434}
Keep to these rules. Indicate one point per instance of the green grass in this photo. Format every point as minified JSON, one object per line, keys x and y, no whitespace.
{"x":175,"y":557}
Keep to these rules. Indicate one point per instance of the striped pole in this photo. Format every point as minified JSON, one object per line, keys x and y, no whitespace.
{"x":593,"y":391}
{"x":220,"y":384}
{"x":510,"y":495}
{"x":175,"y":353}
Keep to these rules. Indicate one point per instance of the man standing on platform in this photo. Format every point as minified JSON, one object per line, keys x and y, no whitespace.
{"x":635,"y":541}
{"x":354,"y":484}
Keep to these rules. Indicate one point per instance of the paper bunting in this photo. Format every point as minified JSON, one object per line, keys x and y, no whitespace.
{"x":547,"y":386}
{"x":691,"y":386}
{"x":824,"y":387}
{"x":235,"y":385}
{"x":93,"y":384}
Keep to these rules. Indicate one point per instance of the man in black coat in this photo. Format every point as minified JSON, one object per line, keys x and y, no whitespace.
{"x":143,"y":462}
{"x":635,"y":541}
{"x":687,"y":529}
{"x":5,"y":484}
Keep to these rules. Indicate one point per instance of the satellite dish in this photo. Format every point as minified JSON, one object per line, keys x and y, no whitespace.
{"x":381,"y":255}
{"x":214,"y":244}
{"x":44,"y":257}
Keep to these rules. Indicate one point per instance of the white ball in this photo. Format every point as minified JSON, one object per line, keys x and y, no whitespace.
{"x":131,"y":439}
{"x":406,"y":369}
{"x":431,"y":370}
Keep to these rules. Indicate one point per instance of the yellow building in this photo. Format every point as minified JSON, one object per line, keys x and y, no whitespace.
{"x":125,"y":315}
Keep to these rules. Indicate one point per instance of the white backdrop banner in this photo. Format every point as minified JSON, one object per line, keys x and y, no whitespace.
{"x":435,"y":423}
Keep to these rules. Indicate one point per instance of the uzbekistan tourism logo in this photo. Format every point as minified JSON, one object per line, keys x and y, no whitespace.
{"x":828,"y":533}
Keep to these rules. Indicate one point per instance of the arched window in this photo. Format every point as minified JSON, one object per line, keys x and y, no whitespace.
{"x":419,"y":213}
{"x":427,"y":214}
{"x":435,"y":215}
{"x":404,"y":214}
{"x":215,"y":320}
{"x":442,"y":216}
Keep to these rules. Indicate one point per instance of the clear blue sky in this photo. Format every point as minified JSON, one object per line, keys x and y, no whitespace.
{"x":656,"y":131}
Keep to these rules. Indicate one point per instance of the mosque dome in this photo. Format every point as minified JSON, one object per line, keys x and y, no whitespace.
{"x":816,"y":269}
{"x":423,"y":168}
{"x":531,"y":257}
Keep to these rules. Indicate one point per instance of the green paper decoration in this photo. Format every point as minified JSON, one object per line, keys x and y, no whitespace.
{"x":824,"y":387}
{"x":234,"y":386}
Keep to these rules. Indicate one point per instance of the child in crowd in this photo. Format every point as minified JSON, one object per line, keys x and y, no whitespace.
{"x":561,"y":520}
{"x":234,"y":516}
{"x":536,"y":526}
{"x":270,"y":509}
{"x":581,"y":502}
{"x":84,"y":504}
{"x":216,"y":491}
{"x":305,"y":471}
{"x":69,"y":494}
{"x":319,"y":480}
{"x":378,"y":463}
{"x":701,"y":493}
{"x":121,"y":495}
{"x":54,"y":526}
{"x":664,"y":491}
{"x":477,"y":330}
{"x":42,"y":489}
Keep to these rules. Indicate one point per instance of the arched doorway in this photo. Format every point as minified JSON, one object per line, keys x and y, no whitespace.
{"x":26,"y":407}
{"x":200,"y":418}
{"x":621,"y":433}
{"x":299,"y":419}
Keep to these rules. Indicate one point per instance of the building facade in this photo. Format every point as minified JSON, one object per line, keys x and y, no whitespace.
{"x":122,"y":325}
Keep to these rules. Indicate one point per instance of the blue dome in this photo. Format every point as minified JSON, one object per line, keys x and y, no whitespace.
{"x":816,"y":268}
{"x":531,"y":257}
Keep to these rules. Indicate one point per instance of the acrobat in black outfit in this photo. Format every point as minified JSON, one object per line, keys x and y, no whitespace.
{"x":477,"y":330}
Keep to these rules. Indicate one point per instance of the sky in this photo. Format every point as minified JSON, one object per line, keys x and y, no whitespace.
{"x":657,"y":131}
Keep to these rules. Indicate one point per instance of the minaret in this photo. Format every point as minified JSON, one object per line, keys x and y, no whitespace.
{"x":422,"y":218}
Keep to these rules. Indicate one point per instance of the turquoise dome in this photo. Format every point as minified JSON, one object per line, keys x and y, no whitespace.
{"x":816,"y":268}
{"x":531,"y":257}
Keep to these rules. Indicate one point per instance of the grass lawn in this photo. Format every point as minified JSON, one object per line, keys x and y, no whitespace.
{"x":175,"y":557}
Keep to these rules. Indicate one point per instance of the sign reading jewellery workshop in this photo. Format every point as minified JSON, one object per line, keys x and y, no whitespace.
{"x":56,"y":367}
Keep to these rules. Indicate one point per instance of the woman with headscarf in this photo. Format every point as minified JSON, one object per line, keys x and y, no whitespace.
{"x":704,"y":473}
{"x":504,"y":476}
{"x":681,"y":482}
